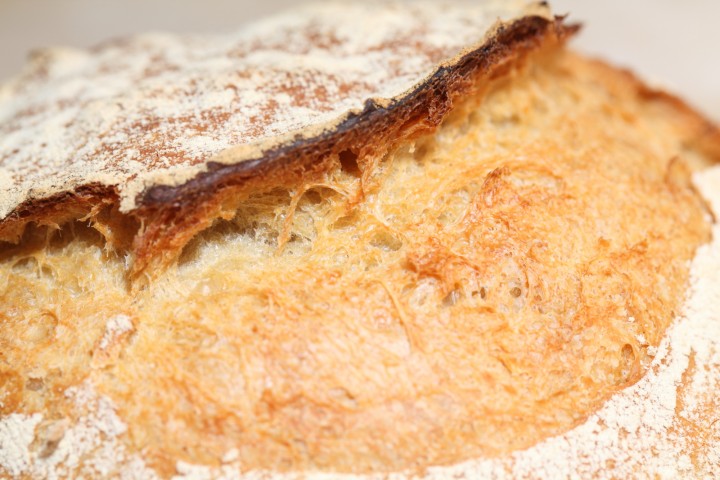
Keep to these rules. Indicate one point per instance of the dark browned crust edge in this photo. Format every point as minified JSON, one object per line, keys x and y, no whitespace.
{"x":167,"y":217}
{"x":429,"y":102}
{"x":178,"y":213}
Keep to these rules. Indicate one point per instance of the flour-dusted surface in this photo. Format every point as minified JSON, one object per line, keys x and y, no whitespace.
{"x":153,"y":110}
{"x":667,"y":425}
{"x":55,"y":449}
{"x":642,"y":429}
{"x":115,"y":327}
{"x":16,"y":435}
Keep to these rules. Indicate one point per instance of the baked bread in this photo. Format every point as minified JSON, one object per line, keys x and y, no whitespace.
{"x":357,"y":238}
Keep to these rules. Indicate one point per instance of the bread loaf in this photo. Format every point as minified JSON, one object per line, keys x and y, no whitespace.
{"x":355,"y":239}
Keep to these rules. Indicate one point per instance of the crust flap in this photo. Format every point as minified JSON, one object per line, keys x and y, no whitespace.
{"x":167,"y":130}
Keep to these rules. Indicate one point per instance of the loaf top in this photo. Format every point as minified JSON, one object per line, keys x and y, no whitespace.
{"x":123,"y":118}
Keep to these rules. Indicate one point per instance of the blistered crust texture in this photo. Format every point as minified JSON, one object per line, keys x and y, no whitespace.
{"x":469,"y":295}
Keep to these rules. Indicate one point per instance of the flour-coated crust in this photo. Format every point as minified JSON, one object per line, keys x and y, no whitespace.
{"x":163,"y":129}
{"x":236,"y":346}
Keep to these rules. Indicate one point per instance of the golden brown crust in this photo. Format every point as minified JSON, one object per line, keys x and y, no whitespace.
{"x":414,"y":288}
{"x":497,"y":281}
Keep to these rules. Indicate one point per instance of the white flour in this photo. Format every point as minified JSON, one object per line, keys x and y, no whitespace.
{"x":16,"y":434}
{"x":115,"y":327}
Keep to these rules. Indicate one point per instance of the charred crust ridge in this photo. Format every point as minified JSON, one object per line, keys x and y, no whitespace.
{"x":167,"y":217}
{"x":431,"y":100}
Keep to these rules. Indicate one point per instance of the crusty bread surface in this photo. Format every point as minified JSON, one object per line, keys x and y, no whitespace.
{"x":463,"y":290}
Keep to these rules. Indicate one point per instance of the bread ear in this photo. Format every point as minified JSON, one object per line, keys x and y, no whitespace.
{"x":171,"y":132}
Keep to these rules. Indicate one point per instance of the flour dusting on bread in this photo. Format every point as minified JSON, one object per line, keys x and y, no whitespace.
{"x":156,"y":109}
{"x":483,"y":276}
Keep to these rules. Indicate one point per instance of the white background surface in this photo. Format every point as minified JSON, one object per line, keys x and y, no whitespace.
{"x":672,"y":43}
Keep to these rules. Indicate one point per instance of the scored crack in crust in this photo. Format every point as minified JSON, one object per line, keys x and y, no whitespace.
{"x":174,"y":131}
{"x":458,"y":274}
